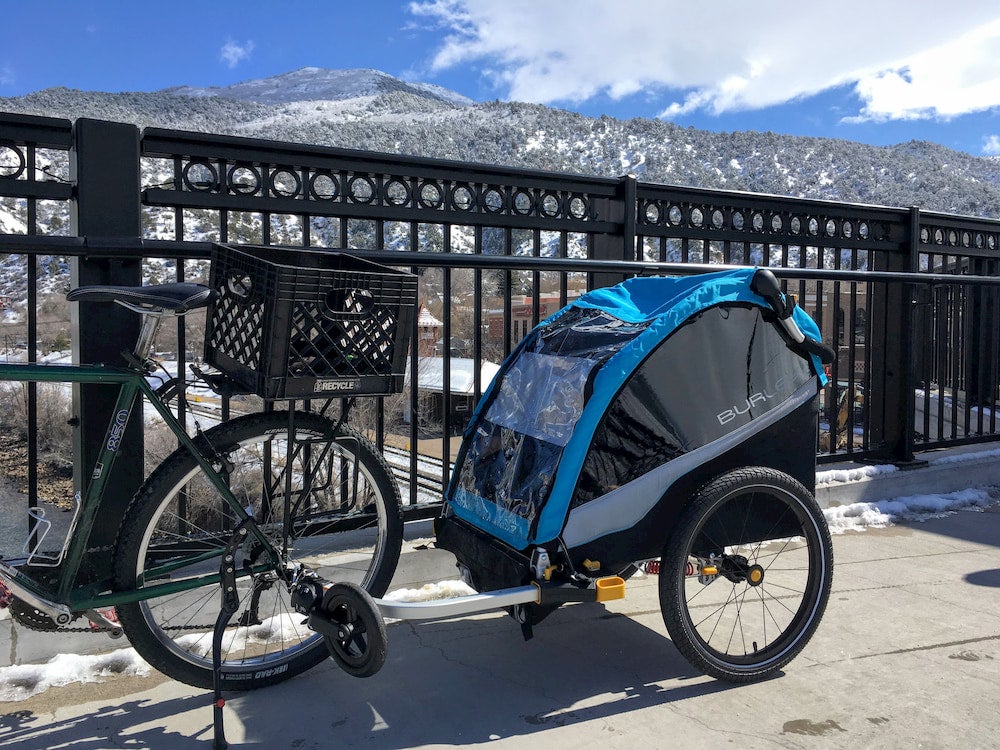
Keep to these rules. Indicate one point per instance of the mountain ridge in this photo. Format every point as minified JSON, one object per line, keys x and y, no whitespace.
{"x":319,"y":84}
{"x":370,"y":110}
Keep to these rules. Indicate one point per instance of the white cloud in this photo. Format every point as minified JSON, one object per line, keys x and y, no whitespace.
{"x":905,"y":58}
{"x":991,"y":145}
{"x":233,"y":53}
{"x":7,"y":77}
{"x":958,"y":76}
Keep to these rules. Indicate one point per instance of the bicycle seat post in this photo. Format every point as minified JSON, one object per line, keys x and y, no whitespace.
{"x":147,"y":334}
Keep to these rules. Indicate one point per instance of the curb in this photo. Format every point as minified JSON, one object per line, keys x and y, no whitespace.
{"x":939,"y":472}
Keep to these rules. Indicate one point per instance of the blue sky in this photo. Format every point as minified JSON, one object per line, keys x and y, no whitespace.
{"x":879,"y":72}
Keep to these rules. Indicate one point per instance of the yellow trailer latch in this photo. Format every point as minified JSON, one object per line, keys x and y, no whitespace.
{"x":610,"y":588}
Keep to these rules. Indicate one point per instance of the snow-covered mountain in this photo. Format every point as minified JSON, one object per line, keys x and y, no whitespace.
{"x":370,"y":110}
{"x":320,"y":84}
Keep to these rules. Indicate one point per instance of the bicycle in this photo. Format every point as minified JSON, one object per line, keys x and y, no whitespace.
{"x":265,"y":503}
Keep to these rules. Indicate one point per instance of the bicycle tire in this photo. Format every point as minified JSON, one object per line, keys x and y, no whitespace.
{"x":767,"y":595}
{"x":178,"y":513}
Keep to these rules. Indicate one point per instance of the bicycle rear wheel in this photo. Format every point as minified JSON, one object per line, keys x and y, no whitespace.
{"x":326,"y":500}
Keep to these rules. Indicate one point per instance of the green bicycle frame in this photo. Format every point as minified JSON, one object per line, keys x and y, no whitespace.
{"x":131,"y":384}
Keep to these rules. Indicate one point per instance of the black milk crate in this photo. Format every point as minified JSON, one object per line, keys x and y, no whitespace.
{"x":290,"y":324}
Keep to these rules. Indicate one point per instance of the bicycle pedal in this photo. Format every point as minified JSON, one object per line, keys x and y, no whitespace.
{"x":105,"y":620}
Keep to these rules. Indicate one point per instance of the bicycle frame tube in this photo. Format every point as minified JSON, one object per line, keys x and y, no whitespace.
{"x":131,"y":383}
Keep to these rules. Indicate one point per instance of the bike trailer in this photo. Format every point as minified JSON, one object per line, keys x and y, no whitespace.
{"x":611,"y":414}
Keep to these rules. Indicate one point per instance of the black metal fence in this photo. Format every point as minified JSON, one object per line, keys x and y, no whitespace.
{"x":902,"y":294}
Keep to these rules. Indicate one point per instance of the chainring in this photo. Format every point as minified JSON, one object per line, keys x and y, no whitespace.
{"x":30,"y":617}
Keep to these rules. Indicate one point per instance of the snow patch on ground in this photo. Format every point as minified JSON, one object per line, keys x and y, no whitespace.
{"x":22,"y":681}
{"x":859,"y":516}
{"x":853,"y":474}
{"x":431,"y":591}
{"x":280,"y":629}
{"x":956,"y":458}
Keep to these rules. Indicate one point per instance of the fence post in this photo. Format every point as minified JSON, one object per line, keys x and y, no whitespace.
{"x":891,"y":395}
{"x":622,"y":209}
{"x":908,"y":354}
{"x":104,"y":162}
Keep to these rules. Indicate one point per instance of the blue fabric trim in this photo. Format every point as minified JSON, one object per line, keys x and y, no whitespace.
{"x":487,"y":515}
{"x":667,"y":303}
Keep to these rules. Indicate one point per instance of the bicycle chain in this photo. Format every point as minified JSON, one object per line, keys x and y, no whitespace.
{"x":32,"y":619}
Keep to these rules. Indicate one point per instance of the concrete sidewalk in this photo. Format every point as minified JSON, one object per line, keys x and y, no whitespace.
{"x":906,"y":656}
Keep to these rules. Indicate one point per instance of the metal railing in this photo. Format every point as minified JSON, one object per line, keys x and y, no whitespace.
{"x":906,"y":297}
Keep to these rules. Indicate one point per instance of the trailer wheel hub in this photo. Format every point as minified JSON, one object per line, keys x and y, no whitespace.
{"x":738,"y":569}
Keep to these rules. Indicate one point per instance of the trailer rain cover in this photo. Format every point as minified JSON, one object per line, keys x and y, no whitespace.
{"x":511,"y":455}
{"x":526,"y":444}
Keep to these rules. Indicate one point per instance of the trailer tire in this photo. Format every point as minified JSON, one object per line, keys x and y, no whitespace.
{"x":746,"y":574}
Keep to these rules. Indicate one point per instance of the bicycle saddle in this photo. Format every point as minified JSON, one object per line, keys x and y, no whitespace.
{"x":177,"y":298}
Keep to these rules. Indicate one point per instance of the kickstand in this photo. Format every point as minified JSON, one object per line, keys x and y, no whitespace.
{"x":230,"y":603}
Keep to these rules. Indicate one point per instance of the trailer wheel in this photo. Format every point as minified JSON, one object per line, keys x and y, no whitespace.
{"x":746,"y":574}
